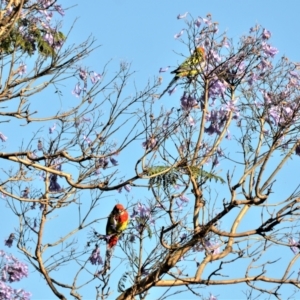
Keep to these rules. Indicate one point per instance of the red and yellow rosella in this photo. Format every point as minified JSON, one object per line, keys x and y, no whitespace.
{"x":190,"y":68}
{"x":117,"y":222}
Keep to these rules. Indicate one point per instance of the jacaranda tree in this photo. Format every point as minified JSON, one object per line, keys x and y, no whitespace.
{"x":212,"y":208}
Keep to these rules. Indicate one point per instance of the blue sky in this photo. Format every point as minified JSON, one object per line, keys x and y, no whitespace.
{"x":141,"y":32}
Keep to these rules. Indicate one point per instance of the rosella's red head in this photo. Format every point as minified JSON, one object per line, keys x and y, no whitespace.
{"x":201,"y":51}
{"x":119,"y":207}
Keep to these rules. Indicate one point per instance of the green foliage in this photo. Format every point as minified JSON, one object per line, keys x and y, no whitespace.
{"x":164,"y":179}
{"x":29,"y":43}
{"x":122,"y":281}
{"x":203,"y":175}
{"x":170,"y":177}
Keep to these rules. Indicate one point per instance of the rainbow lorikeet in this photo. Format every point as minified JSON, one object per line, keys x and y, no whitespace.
{"x":117,"y":222}
{"x":190,"y":68}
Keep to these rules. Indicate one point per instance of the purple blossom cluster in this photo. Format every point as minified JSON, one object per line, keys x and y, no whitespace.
{"x":142,"y":214}
{"x":8,"y":293}
{"x":33,"y":27}
{"x":217,"y":119}
{"x":81,"y":120}
{"x":10,"y":240}
{"x":103,"y":162}
{"x":188,"y":102}
{"x":54,"y":185}
{"x":3,"y":138}
{"x":95,"y":257}
{"x":294,"y":245}
{"x":127,"y":188}
{"x":83,"y":75}
{"x":150,"y":143}
{"x":209,"y":246}
{"x":12,"y":270}
{"x":183,"y":201}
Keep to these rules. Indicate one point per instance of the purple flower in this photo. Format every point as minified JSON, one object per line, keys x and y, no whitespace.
{"x":266,"y":34}
{"x":161,"y":70}
{"x":22,"y":69}
{"x":48,"y":37}
{"x":42,"y":176}
{"x":77,"y":90}
{"x":274,"y":114}
{"x":58,"y":44}
{"x":57,"y":164}
{"x":95,"y":77}
{"x":220,"y":152}
{"x":183,"y":237}
{"x":103,"y":162}
{"x":51,"y":129}
{"x":178,"y":35}
{"x":143,"y":212}
{"x":95,"y":257}
{"x":10,"y":240}
{"x":264,"y":65}
{"x":25,"y":193}
{"x":294,"y":74}
{"x":59,"y":9}
{"x":3,"y":138}
{"x":40,"y":145}
{"x":87,"y":139}
{"x":13,"y":270}
{"x":47,"y":14}
{"x":254,"y":29}
{"x":212,"y":247}
{"x":228,"y":135}
{"x":183,"y":198}
{"x":33,"y":154}
{"x":188,"y":103}
{"x":225,"y":42}
{"x":217,"y":88}
{"x":207,"y":21}
{"x":198,"y":22}
{"x":182,"y":16}
{"x":113,"y":161}
{"x":191,"y":121}
{"x":54,"y":186}
{"x":212,"y":297}
{"x":266,"y":96}
{"x":269,"y":50}
{"x":127,"y":187}
{"x":213,"y":55}
{"x":294,"y":245}
{"x":253,"y":77}
{"x":83,"y":74}
{"x":150,"y":143}
{"x":97,"y":172}
{"x":132,"y":238}
{"x":179,"y":204}
{"x":8,"y":293}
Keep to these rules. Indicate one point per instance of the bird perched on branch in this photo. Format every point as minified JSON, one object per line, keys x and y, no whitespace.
{"x":117,"y":222}
{"x":190,"y":68}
